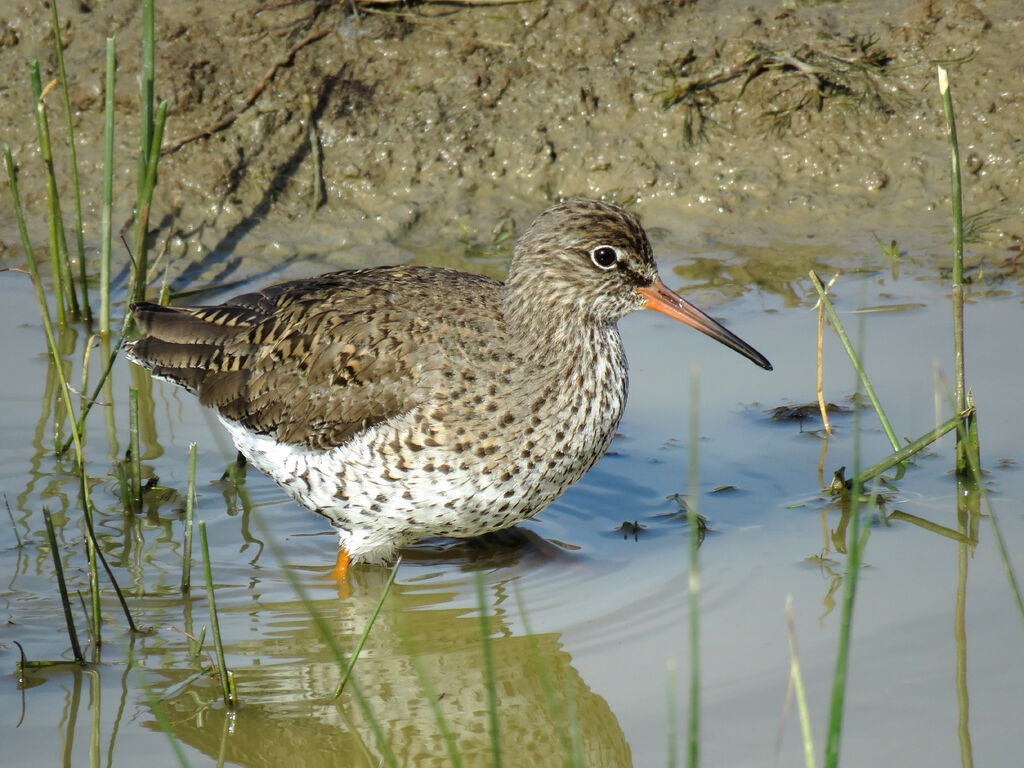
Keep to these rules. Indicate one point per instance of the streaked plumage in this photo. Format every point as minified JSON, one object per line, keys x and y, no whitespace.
{"x":401,"y":402}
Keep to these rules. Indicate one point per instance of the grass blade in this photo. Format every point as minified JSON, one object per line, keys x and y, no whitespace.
{"x":693,"y":533}
{"x":134,"y":459}
{"x":913,"y":447}
{"x":14,"y":525}
{"x":95,"y":396}
{"x":857,"y":540}
{"x":798,"y":686}
{"x":190,"y":502}
{"x":76,"y":190}
{"x":367,"y":628}
{"x":145,"y":98}
{"x":974,"y":463}
{"x":65,"y":602}
{"x":226,"y":681}
{"x":108,"y":188}
{"x":75,"y":439}
{"x":138,"y":289}
{"x":854,"y":358}
{"x":969,"y":441}
{"x":61,"y":273}
{"x":967,"y":509}
{"x":26,"y":244}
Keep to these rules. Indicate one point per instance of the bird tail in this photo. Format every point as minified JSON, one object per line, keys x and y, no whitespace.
{"x":185,"y":345}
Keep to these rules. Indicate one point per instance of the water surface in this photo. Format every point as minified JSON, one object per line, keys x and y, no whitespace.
{"x":607,"y":608}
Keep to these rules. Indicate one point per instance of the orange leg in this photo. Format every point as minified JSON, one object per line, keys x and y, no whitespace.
{"x":340,"y":571}
{"x":340,"y":575}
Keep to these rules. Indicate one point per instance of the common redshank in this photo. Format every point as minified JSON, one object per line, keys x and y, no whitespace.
{"x":403,"y":402}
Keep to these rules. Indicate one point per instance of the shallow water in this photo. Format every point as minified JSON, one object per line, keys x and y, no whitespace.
{"x":608,"y":610}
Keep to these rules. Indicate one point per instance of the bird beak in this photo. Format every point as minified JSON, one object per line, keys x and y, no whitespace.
{"x":660,"y":298}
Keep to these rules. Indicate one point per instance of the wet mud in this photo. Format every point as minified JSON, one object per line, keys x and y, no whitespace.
{"x":441,"y":128}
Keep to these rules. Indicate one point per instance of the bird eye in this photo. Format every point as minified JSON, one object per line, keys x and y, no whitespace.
{"x":604,"y":257}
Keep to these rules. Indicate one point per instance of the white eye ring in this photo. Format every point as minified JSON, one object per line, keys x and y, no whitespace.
{"x":605,"y":256}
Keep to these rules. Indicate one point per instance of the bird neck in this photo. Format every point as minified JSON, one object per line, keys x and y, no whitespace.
{"x":558,"y":346}
{"x":548,"y":325}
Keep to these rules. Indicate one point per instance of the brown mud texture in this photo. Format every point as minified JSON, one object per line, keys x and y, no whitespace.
{"x":360,"y":131}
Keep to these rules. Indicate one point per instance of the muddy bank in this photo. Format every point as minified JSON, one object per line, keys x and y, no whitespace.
{"x":441,"y":128}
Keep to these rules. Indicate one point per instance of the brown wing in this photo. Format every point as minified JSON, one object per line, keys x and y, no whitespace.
{"x":313,"y":362}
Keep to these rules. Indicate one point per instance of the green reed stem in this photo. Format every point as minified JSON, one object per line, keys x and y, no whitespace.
{"x":913,"y":447}
{"x":855,"y":547}
{"x":103,"y":560}
{"x":974,"y":463}
{"x":862,"y":376}
{"x":693,"y":533}
{"x":86,"y":357}
{"x":366,"y":630}
{"x":14,"y":525}
{"x":928,"y":525}
{"x":135,"y":458}
{"x":967,"y":509}
{"x":147,"y":90}
{"x":61,"y":272}
{"x":85,"y":611}
{"x":58,"y":286}
{"x":190,"y":502}
{"x":164,"y":297}
{"x":957,"y":198}
{"x":76,"y":190}
{"x":58,"y":241}
{"x":108,"y":165}
{"x":226,"y":683}
{"x":489,"y":684}
{"x":26,"y":244}
{"x":108,"y":188}
{"x":798,"y":687}
{"x":104,"y":376}
{"x":94,"y":576}
{"x":59,"y":570}
{"x":76,"y":427}
{"x":970,"y":442}
{"x":145,"y":200}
